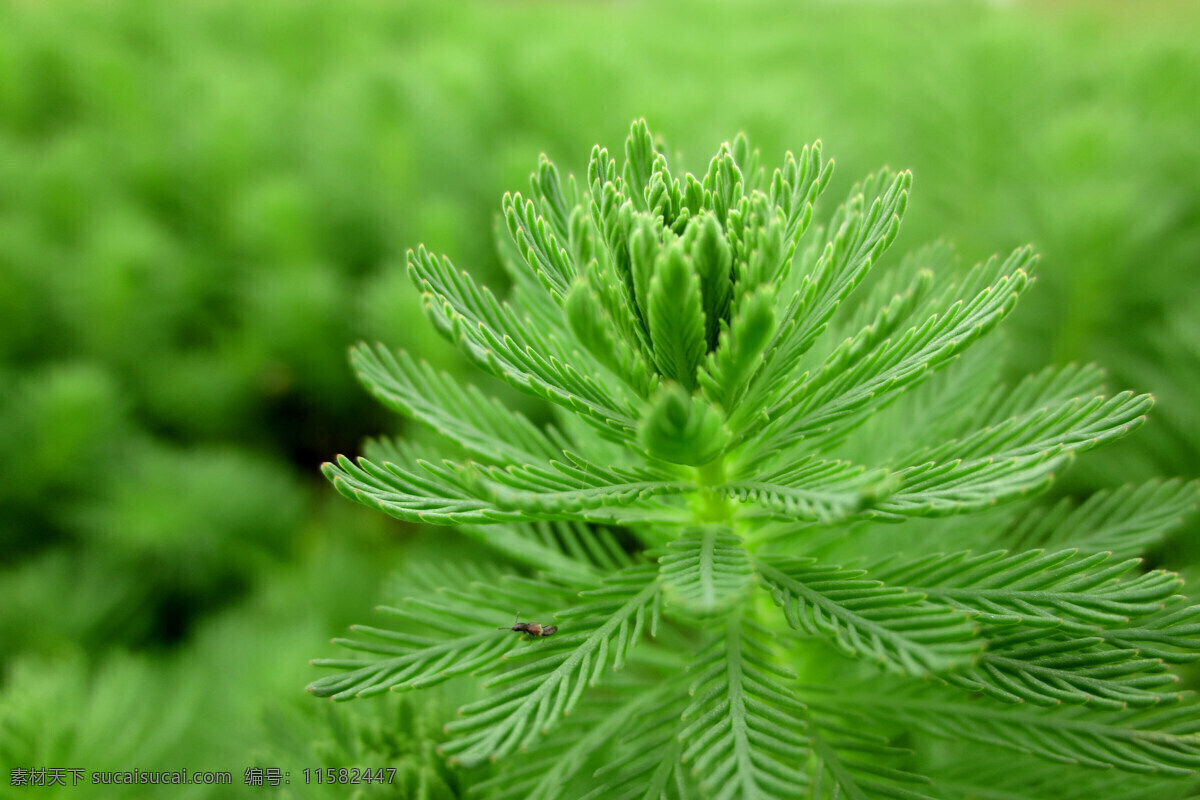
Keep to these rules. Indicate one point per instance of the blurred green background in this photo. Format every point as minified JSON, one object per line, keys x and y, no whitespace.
{"x":202,"y":204}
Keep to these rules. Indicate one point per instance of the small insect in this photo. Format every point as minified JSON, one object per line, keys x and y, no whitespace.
{"x":535,"y":629}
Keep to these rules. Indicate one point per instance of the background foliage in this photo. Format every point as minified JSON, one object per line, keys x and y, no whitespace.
{"x":203,"y":204}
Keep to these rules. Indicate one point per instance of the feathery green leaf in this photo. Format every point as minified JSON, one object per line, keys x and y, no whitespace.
{"x":706,"y":569}
{"x":675,"y":315}
{"x":1041,"y":668}
{"x":854,"y":764}
{"x":979,"y":774}
{"x":864,"y":374}
{"x":810,"y":490}
{"x":742,"y":732}
{"x":483,"y":426}
{"x":739,"y":352}
{"x":450,"y":494}
{"x":1014,"y":459}
{"x":713,"y":261}
{"x":1164,"y":741}
{"x":496,"y":339}
{"x":593,"y":326}
{"x":450,"y":632}
{"x":898,"y":629}
{"x":542,"y":250}
{"x":682,"y":428}
{"x":1049,"y":589}
{"x":1127,"y":520}
{"x":861,"y":237}
{"x":556,"y":671}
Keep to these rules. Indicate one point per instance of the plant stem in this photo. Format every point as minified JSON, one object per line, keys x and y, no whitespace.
{"x":712,"y":507}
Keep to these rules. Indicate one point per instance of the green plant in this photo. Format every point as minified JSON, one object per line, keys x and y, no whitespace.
{"x":711,"y":382}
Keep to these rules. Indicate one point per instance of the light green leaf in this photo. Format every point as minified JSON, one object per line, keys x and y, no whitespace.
{"x":856,"y":764}
{"x":937,"y":409}
{"x":1076,"y":425}
{"x":496,"y":339}
{"x":1013,"y":459}
{"x":795,"y":188}
{"x":742,"y":733}
{"x":639,"y":163}
{"x":663,"y":196}
{"x":706,"y":569}
{"x":594,"y":328}
{"x":1126,"y":521}
{"x":695,"y":197}
{"x":723,"y":183}
{"x":482,"y":425}
{"x":1037,"y":667}
{"x":436,"y":636}
{"x":623,"y":751}
{"x":555,"y":206}
{"x":1165,"y":741}
{"x":977,"y":773}
{"x":534,"y":696}
{"x":1172,"y":634}
{"x":748,"y":162}
{"x":1053,"y":386}
{"x":616,"y":296}
{"x":585,"y":491}
{"x":712,"y":260}
{"x":450,"y":494}
{"x":964,"y":487}
{"x":682,"y":428}
{"x":543,"y":251}
{"x":528,"y":298}
{"x":900,"y":294}
{"x":861,"y":236}
{"x":569,"y":551}
{"x":864,"y":374}
{"x":726,"y":370}
{"x":676,"y":317}
{"x":866,"y":618}
{"x":648,"y":763}
{"x":1057,"y":589}
{"x":645,"y":245}
{"x":762,"y":255}
{"x":439,"y":495}
{"x":810,"y":490}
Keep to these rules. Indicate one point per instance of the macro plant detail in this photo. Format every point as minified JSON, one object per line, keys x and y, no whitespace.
{"x":782,"y":533}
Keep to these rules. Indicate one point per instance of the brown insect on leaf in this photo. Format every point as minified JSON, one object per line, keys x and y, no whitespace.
{"x":535,"y":629}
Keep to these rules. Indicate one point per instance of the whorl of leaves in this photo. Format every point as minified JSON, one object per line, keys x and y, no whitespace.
{"x":724,"y":420}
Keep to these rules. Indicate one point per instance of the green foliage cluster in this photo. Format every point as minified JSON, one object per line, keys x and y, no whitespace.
{"x":200,"y":204}
{"x":214,"y":702}
{"x":710,"y":370}
{"x":192,"y":198}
